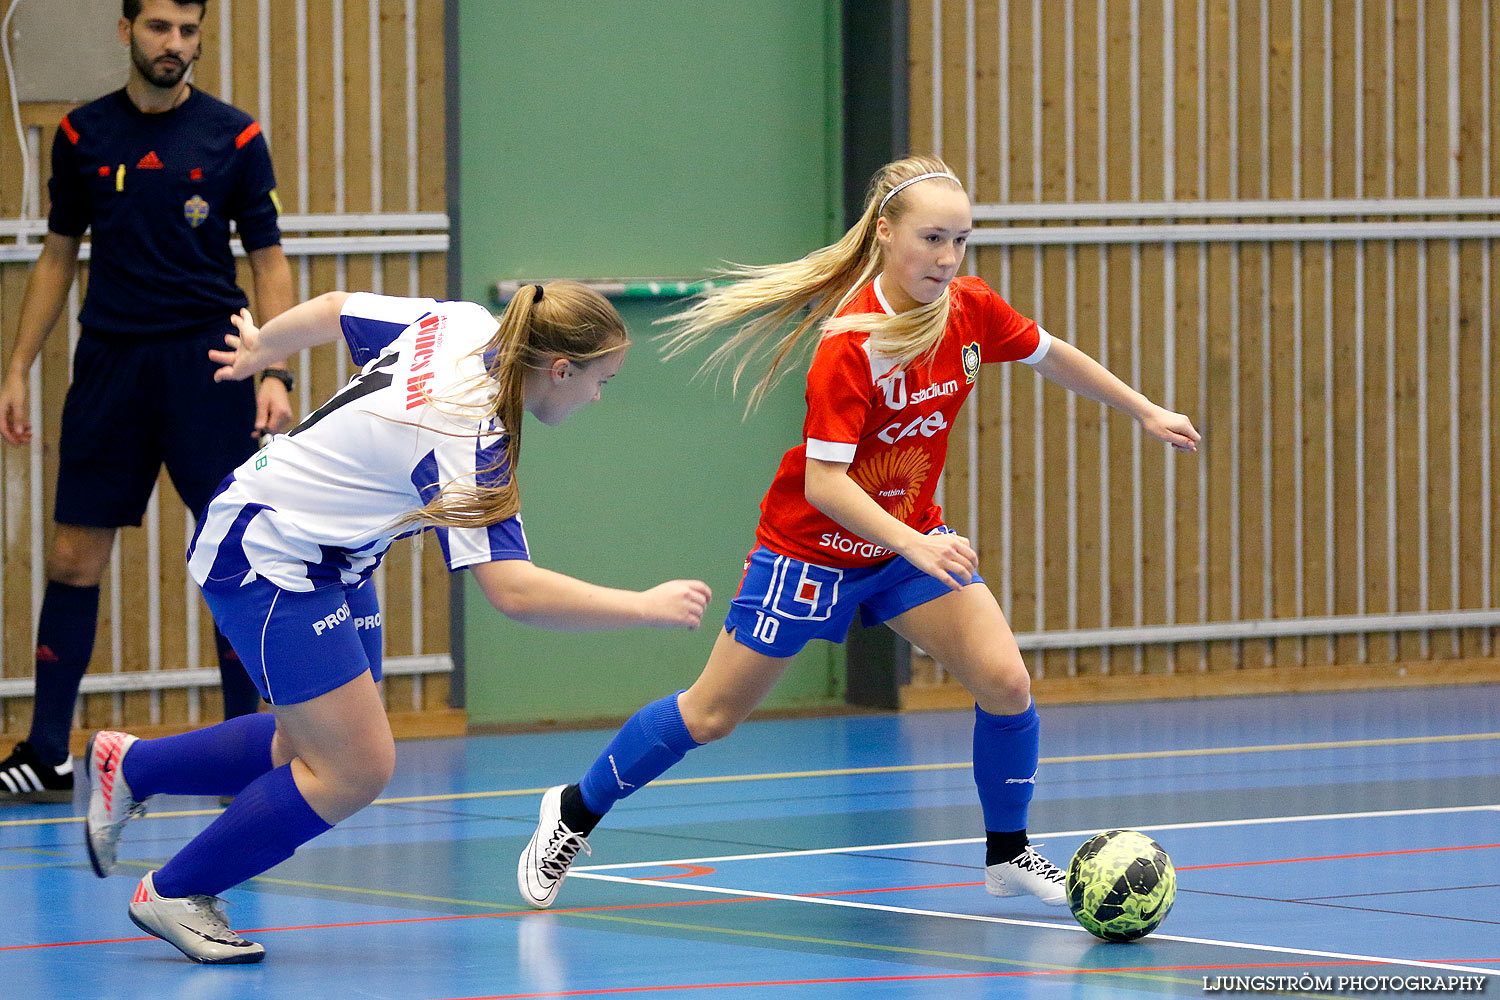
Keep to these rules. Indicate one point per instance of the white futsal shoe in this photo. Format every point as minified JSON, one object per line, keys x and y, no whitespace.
{"x":194,"y":925}
{"x":111,"y":805}
{"x":1028,"y":873}
{"x":545,"y":862}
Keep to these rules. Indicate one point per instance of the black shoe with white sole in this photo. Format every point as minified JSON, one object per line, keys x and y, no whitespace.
{"x":24,"y":778}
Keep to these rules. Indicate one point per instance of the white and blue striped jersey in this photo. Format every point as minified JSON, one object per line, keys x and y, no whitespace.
{"x":319,"y":504}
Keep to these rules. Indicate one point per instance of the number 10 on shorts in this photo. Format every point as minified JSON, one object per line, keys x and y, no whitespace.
{"x":766,"y":628}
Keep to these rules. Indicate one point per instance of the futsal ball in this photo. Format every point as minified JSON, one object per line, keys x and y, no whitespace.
{"x":1121,"y":885}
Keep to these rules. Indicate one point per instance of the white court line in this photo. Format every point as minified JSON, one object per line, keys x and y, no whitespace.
{"x":1044,"y":925}
{"x":592,"y":872}
{"x":1202,"y":825}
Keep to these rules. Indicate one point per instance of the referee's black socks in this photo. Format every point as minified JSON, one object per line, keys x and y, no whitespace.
{"x":64,"y":645}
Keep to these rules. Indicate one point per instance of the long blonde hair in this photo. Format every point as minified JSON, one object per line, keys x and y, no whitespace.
{"x":561,"y":319}
{"x":762,"y":300}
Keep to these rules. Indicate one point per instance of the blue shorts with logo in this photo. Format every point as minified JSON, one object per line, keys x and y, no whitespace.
{"x":297,"y":645}
{"x":785,"y":603}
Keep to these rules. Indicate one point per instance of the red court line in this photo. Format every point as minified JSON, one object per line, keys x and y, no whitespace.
{"x":707,"y":902}
{"x":72,"y":944}
{"x":498,"y":914}
{"x":1342,"y":857}
{"x":413,"y":920}
{"x":692,"y":872}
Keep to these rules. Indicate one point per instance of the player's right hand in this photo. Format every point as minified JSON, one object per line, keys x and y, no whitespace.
{"x":947,"y":557}
{"x":676,"y":604}
{"x":14,"y":426}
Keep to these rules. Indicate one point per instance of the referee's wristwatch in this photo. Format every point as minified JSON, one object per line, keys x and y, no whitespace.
{"x":281,"y":375}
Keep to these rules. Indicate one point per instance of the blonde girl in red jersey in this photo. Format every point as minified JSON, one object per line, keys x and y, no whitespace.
{"x":849,"y":523}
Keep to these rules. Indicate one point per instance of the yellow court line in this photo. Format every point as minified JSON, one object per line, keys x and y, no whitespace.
{"x":1392,"y":741}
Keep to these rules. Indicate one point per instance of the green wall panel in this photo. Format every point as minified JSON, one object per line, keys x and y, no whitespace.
{"x":618,"y":139}
{"x":613,"y":138}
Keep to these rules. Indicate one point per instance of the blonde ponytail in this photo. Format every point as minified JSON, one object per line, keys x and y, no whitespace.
{"x":761,"y":301}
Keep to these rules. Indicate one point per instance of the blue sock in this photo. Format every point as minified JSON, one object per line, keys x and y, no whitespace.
{"x":648,"y":744}
{"x":1006,"y":751}
{"x":219,"y":760}
{"x":262,"y":827}
{"x":64,"y":646}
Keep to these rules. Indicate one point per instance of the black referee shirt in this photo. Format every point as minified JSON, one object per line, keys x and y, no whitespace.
{"x":159,"y":191}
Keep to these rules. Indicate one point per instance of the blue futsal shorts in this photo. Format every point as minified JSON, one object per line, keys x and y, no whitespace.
{"x":785,"y":603}
{"x":297,"y":645}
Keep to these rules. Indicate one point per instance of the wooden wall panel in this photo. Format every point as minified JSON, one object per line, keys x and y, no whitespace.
{"x":1345,"y":387}
{"x":338,"y":132}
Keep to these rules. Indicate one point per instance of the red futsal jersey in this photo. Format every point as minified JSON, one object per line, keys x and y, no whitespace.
{"x":889,"y":424}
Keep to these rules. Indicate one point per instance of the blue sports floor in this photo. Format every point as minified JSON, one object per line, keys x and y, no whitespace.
{"x":1317,"y":836}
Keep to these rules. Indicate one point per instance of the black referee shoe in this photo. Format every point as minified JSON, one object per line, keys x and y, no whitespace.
{"x":24,"y":778}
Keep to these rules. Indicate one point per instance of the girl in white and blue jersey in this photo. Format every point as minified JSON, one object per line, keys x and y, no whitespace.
{"x":426,"y":435}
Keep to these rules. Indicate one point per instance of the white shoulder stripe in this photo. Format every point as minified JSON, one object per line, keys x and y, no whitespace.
{"x":831,"y":451}
{"x":387,"y":308}
{"x":1043,"y":344}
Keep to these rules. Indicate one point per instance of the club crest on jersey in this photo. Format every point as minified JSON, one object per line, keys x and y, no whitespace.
{"x":971,"y":362}
{"x":195,"y":210}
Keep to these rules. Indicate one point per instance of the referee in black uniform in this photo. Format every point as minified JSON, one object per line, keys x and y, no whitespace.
{"x":158,"y":170}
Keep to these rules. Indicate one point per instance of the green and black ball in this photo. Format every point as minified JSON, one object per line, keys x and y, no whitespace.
{"x":1121,"y":885}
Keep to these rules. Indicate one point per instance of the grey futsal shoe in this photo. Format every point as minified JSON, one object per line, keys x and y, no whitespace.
{"x":194,"y":925}
{"x":1028,"y":873}
{"x":111,"y":805}
{"x":545,"y":862}
{"x":24,"y":778}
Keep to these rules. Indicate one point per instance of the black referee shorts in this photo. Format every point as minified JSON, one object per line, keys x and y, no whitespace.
{"x":133,"y":406}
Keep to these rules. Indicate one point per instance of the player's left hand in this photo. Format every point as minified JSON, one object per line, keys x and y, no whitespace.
{"x":243,"y":357}
{"x":1174,"y":428}
{"x":273,"y":408}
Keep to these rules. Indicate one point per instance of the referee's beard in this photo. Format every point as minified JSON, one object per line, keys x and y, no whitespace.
{"x":165,"y":72}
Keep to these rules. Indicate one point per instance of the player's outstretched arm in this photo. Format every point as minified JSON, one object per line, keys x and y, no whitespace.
{"x":528,"y":593}
{"x":1077,"y":372}
{"x":256,"y":348}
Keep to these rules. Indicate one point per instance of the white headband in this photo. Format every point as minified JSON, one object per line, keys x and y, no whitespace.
{"x":920,"y":177}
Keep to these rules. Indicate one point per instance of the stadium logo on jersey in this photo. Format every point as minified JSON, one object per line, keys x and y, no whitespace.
{"x":429,"y":335}
{"x":926,"y":426}
{"x":947,"y":388}
{"x":971,"y":362}
{"x":195,"y":210}
{"x":894,"y":478}
{"x":897,"y":398}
